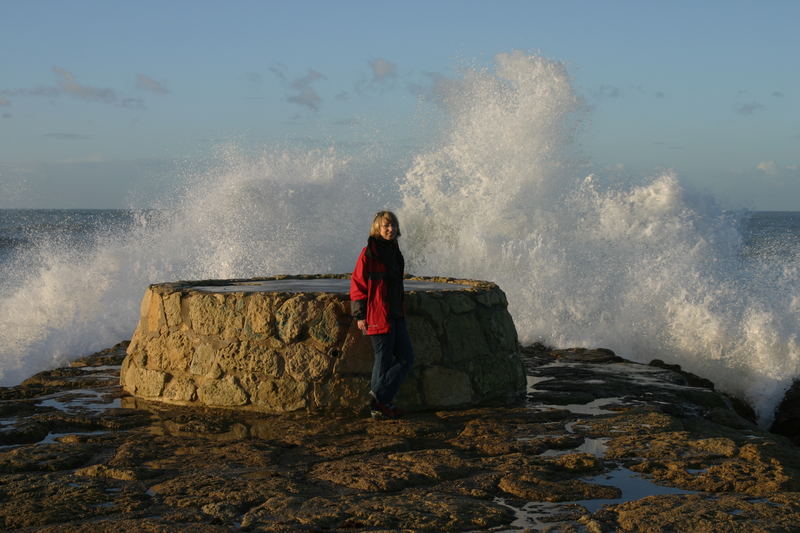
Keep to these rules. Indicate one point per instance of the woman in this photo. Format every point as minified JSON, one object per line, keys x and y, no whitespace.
{"x":376,"y":296}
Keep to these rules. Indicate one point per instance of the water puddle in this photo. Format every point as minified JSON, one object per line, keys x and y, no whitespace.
{"x":596,"y":447}
{"x":544,"y":515}
{"x":109,"y":372}
{"x":52,"y":438}
{"x":535,"y":380}
{"x":80,"y":399}
{"x":570,"y":427}
{"x":101,"y":368}
{"x":595,"y":407}
{"x":633,"y":487}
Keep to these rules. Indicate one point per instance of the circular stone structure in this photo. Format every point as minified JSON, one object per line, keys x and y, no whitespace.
{"x":285,"y":343}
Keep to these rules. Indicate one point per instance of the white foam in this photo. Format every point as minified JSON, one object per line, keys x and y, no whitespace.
{"x":648,"y":270}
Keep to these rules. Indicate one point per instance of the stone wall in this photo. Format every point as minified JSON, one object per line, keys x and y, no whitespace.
{"x":284,"y":351}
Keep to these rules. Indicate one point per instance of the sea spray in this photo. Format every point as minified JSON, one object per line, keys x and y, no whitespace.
{"x":246,"y":215}
{"x":646,"y":269}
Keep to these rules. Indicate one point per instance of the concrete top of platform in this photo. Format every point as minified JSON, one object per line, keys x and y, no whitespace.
{"x":318,"y":285}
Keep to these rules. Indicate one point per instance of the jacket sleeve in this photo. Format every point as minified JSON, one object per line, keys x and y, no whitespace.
{"x":358,"y":288}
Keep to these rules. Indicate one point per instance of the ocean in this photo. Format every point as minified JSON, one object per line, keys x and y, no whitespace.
{"x":642,"y":265}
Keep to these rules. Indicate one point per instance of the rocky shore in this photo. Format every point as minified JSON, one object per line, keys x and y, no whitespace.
{"x":600,"y":444}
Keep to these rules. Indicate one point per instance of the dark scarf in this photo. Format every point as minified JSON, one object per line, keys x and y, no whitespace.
{"x":388,"y":253}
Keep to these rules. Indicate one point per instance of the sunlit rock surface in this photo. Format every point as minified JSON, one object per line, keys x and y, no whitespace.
{"x":599,"y":444}
{"x":287,"y":343}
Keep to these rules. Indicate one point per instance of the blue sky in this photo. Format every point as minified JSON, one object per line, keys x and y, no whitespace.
{"x":101,"y":102}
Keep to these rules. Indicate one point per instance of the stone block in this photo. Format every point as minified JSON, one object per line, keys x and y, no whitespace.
{"x":330,"y":328}
{"x":232,"y":358}
{"x":427,"y":348}
{"x":410,"y":396}
{"x":432,"y":308}
{"x":446,"y":387}
{"x":259,"y":316}
{"x":499,"y":331}
{"x":172,"y":309}
{"x":204,"y":312}
{"x":465,"y":338}
{"x":491,"y":297}
{"x":144,"y":306}
{"x":492,"y":375}
{"x":155,"y":313}
{"x":167,"y":352}
{"x":224,"y":392}
{"x":280,"y":396}
{"x":293,"y":318}
{"x":306,"y":363}
{"x":460,"y":303}
{"x":202,"y":359}
{"x":145,"y":382}
{"x":356,"y":356}
{"x":176,"y":346}
{"x":180,"y":390}
{"x":262,"y":358}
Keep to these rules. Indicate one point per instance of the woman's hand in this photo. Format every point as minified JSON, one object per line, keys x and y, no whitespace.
{"x":362,"y":325}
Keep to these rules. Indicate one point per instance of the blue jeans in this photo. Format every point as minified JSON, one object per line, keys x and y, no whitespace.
{"x":393,"y":359}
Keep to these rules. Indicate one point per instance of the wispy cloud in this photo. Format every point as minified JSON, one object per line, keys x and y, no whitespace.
{"x":4,"y":102}
{"x":749,"y":108}
{"x":778,"y":173}
{"x":149,"y":84}
{"x":6,"y":115}
{"x":68,"y":85}
{"x":778,"y":94}
{"x":279,"y":71}
{"x":32,"y":91}
{"x":768,"y":167}
{"x":608,"y":91}
{"x":303,"y":93}
{"x":382,"y":69}
{"x":381,"y":78}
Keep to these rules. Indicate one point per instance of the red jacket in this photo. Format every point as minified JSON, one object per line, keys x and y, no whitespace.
{"x":369,"y":289}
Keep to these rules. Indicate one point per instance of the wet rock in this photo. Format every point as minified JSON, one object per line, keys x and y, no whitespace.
{"x":787,"y":415}
{"x":693,"y":380}
{"x":52,"y":457}
{"x":414,"y":510}
{"x":696,"y":512}
{"x":583,"y":355}
{"x":126,"y":464}
{"x":24,"y":433}
{"x":532,"y":488}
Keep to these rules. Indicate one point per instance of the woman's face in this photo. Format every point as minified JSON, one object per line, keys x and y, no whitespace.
{"x":388,"y":230}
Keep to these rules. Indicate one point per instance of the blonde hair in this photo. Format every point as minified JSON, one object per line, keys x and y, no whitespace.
{"x":380,"y":216}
